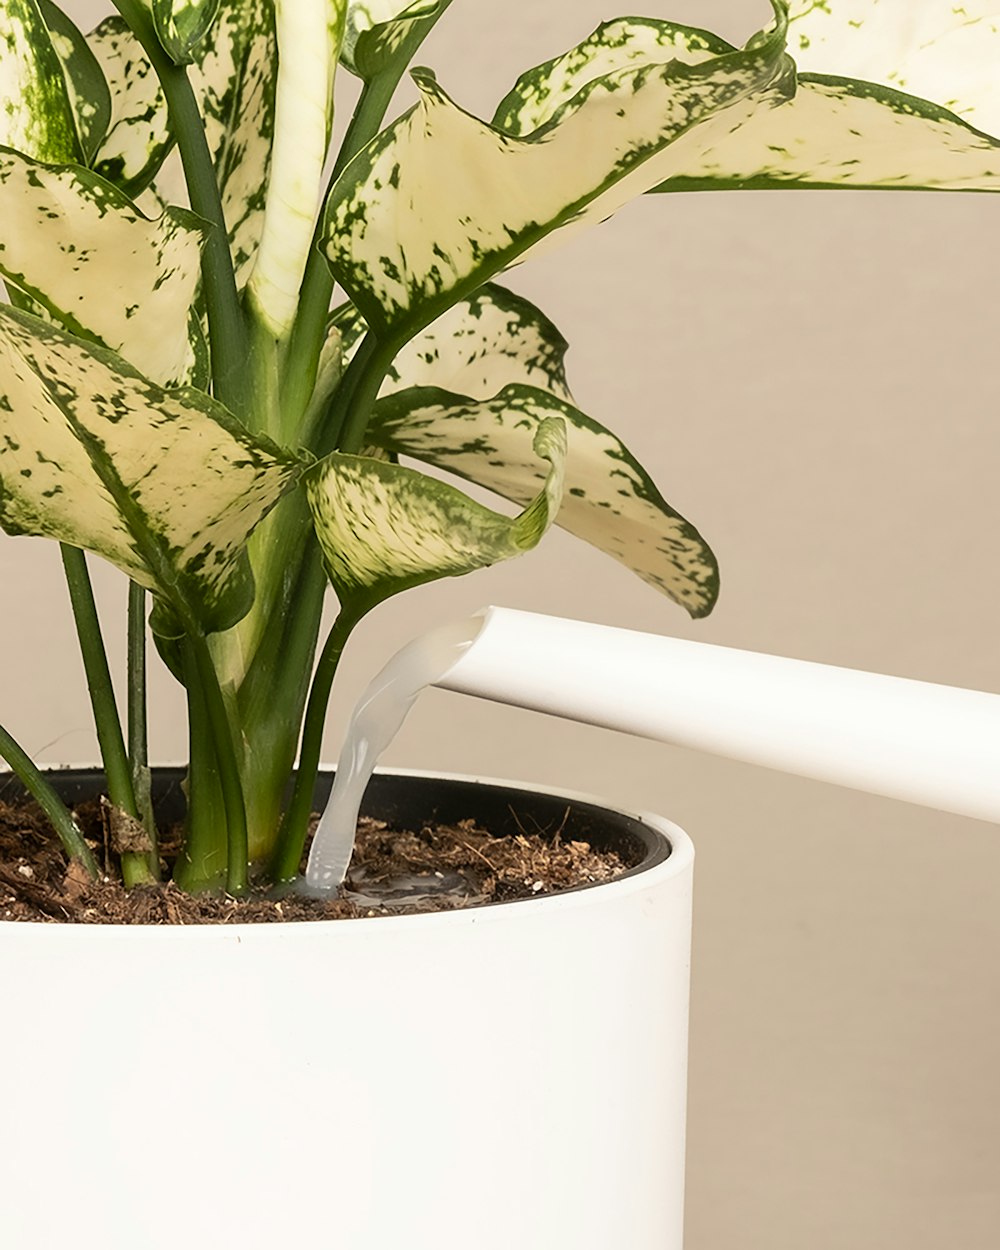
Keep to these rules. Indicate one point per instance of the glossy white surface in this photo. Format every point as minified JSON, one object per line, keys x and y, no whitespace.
{"x":913,"y":740}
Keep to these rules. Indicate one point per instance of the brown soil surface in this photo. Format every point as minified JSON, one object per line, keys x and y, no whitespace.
{"x":434,"y":869}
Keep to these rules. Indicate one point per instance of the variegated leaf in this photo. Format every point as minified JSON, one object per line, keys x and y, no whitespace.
{"x":380,"y":30}
{"x":610,"y":500}
{"x":234,"y":80}
{"x":442,"y":201}
{"x":309,"y":34}
{"x":627,"y":43}
{"x":81,"y":249}
{"x":139,"y":136}
{"x":941,"y":50}
{"x":36,"y":113}
{"x":164,"y":484}
{"x":839,"y":133}
{"x":86,"y":87}
{"x":384,"y":528}
{"x":488,"y":341}
{"x":181,"y":25}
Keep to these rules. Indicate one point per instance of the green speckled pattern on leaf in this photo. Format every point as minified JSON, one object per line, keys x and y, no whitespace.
{"x":441,"y":201}
{"x":484,"y":343}
{"x":36,"y":114}
{"x":946,"y":51}
{"x":138,"y":135}
{"x":79,"y":247}
{"x":842,"y":131}
{"x":839,"y":133}
{"x":539,"y":96}
{"x":164,"y":484}
{"x":384,"y":528}
{"x":377,"y":30}
{"x":234,"y":81}
{"x":86,"y":86}
{"x":182,"y":25}
{"x":610,"y":501}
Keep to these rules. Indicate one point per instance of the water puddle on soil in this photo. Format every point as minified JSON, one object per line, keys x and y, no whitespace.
{"x":376,"y":720}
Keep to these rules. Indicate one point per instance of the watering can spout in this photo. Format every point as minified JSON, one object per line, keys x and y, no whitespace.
{"x":935,"y":745}
{"x":924,"y":743}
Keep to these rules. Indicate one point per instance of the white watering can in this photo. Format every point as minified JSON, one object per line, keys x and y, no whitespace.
{"x":912,"y":740}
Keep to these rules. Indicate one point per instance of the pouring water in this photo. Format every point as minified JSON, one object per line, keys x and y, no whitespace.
{"x":924,"y":743}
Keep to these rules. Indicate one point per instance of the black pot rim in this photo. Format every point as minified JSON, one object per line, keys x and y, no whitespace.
{"x":408,"y":797}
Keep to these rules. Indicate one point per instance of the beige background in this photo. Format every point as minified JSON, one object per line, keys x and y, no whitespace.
{"x":813,"y":379}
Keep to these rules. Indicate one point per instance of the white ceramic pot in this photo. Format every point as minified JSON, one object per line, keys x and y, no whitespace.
{"x":510,"y":1076}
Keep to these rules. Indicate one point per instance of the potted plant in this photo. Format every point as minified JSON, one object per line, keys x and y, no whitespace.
{"x":178,"y":397}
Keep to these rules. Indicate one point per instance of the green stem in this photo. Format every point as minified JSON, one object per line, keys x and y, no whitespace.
{"x":202,"y":672}
{"x":138,"y":741}
{"x":102,"y":695}
{"x":329,"y":423}
{"x":201,"y":864}
{"x":272,"y":697}
{"x":309,"y":331}
{"x":358,"y":407}
{"x":294,"y":827}
{"x":42,"y":792}
{"x":346,"y":420}
{"x":225,"y":318}
{"x":288,"y":647}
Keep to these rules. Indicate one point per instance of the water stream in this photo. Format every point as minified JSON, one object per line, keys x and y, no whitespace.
{"x":376,"y":720}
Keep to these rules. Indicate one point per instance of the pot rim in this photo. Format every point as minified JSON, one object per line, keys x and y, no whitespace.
{"x":675,"y":862}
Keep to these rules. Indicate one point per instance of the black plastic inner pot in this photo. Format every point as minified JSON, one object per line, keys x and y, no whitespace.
{"x":410,"y":802}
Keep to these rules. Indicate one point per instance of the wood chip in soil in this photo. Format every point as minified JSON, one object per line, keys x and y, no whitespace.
{"x":434,"y":869}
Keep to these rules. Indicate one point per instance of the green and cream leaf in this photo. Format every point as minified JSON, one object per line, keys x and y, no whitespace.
{"x":610,"y":501}
{"x":138,"y":137}
{"x":234,"y":80}
{"x":442,"y":201}
{"x":940,"y":50}
{"x":540,"y":94}
{"x":833,"y":133}
{"x":309,"y":35}
{"x":487,"y":341}
{"x":36,"y":112}
{"x":384,"y":528}
{"x":164,"y":484}
{"x":840,"y":133}
{"x":86,"y":86}
{"x":81,"y":249}
{"x":379,"y":31}
{"x":181,"y":25}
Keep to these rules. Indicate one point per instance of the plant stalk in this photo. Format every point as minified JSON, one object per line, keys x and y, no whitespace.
{"x":346,"y":419}
{"x":138,"y":742}
{"x":309,"y":331}
{"x":201,"y":864}
{"x":201,"y":671}
{"x":352,"y":418}
{"x":271,"y":701}
{"x":227,"y":331}
{"x":102,"y":695}
{"x":294,"y":827}
{"x":42,"y":791}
